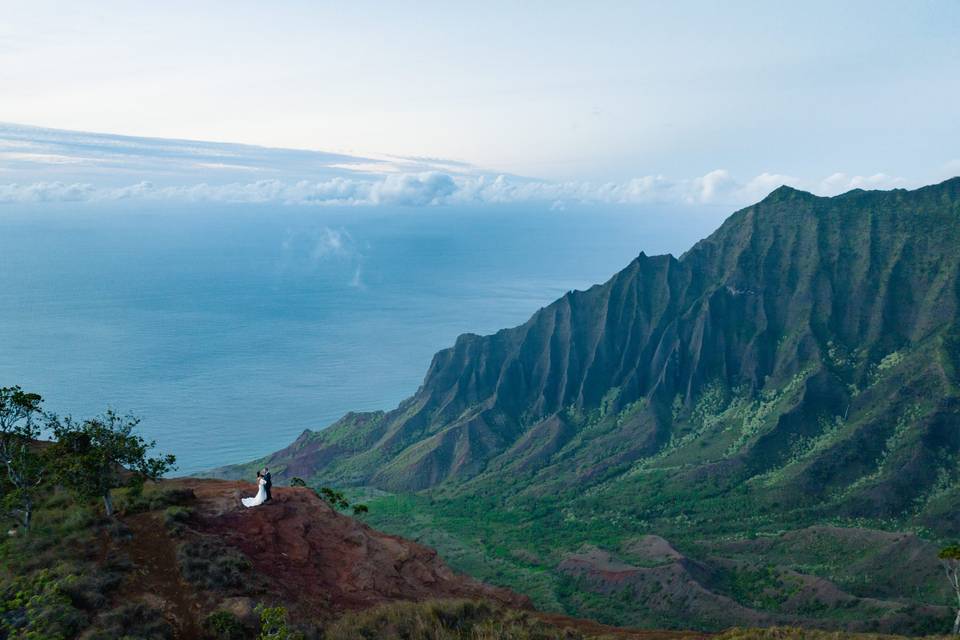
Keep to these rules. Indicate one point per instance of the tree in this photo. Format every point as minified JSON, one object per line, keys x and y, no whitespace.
{"x":334,"y":498}
{"x":18,"y":452}
{"x":101,"y":454}
{"x":950,"y":557}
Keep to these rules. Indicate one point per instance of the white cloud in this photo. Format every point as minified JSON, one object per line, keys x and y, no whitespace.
{"x":430,"y":187}
{"x":46,"y":192}
{"x":714,"y":186}
{"x":46,"y":165}
{"x":40,"y":158}
{"x":840,"y":183}
{"x":759,"y":186}
{"x":331,"y":242}
{"x":356,"y":281}
{"x":433,"y":188}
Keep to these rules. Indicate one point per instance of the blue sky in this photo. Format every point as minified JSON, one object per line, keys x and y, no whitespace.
{"x":435,"y":102}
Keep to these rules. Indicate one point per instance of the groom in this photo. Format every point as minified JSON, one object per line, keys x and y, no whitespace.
{"x":267,"y":483}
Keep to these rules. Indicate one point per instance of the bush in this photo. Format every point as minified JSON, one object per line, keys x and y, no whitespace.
{"x":156,"y":499}
{"x":274,"y":624}
{"x":210,"y":564}
{"x":175,"y":517}
{"x":36,"y":607}
{"x":444,"y":620}
{"x":797,"y":633}
{"x":132,"y":621}
{"x":88,"y":588}
{"x":223,"y":625}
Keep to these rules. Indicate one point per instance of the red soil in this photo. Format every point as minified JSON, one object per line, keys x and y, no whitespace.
{"x":307,"y":553}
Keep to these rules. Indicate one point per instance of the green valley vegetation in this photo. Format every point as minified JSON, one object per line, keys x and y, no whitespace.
{"x":762,"y":431}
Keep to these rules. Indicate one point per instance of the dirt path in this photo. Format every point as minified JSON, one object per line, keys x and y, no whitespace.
{"x":156,"y":577}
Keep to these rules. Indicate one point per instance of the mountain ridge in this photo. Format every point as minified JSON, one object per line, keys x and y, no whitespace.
{"x":798,"y":368}
{"x":659,"y":328}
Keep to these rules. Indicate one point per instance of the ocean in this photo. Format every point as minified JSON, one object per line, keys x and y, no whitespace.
{"x":229,"y":329}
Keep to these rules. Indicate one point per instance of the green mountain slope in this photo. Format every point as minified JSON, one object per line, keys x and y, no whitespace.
{"x":798,"y":366}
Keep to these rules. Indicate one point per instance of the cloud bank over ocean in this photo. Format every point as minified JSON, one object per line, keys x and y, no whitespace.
{"x":46,"y":165}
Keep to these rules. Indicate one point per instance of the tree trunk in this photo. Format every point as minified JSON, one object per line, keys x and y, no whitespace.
{"x":956,"y":623}
{"x":108,"y":504}
{"x":27,"y":514}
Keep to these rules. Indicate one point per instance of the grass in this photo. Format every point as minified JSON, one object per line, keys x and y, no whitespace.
{"x":67,"y":576}
{"x":796,"y":633}
{"x":53,"y":580}
{"x":444,"y":620}
{"x":210,"y":564}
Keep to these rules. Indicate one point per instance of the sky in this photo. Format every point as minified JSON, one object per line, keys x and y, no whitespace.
{"x":435,"y":102}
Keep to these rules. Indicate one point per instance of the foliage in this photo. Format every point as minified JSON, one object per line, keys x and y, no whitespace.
{"x":444,"y":620}
{"x":333,"y":497}
{"x":35,"y":608}
{"x":223,"y":625}
{"x":797,"y":633}
{"x":101,"y":454}
{"x":950,"y":557}
{"x":336,"y":499}
{"x":157,"y":497}
{"x":174,"y":518}
{"x":274,"y":624}
{"x":23,"y":471}
{"x":210,"y":564}
{"x":133,"y":620}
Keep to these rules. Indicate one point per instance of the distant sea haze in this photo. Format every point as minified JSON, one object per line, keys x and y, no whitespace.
{"x":230,"y":329}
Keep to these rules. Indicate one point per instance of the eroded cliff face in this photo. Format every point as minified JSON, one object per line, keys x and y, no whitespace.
{"x":832,"y":311}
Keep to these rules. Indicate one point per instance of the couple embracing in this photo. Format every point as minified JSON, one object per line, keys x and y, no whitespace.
{"x":263,"y":492}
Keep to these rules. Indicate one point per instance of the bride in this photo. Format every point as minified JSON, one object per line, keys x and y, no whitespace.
{"x":261,"y":494}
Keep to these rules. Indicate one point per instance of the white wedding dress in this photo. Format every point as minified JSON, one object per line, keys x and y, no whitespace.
{"x":257,"y":499}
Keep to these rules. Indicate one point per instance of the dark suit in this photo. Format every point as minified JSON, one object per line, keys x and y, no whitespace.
{"x":266,"y":485}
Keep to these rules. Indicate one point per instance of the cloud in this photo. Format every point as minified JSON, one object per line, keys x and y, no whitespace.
{"x":332,"y":243}
{"x":321,"y":248}
{"x":427,"y":188}
{"x":840,"y":183}
{"x":46,"y":192}
{"x":432,"y":188}
{"x":356,"y":281}
{"x":48,"y":165}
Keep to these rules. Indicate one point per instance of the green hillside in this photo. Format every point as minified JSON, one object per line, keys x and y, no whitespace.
{"x":776,"y":413}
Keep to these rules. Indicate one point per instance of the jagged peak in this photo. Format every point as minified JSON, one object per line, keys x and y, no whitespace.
{"x":786,"y":192}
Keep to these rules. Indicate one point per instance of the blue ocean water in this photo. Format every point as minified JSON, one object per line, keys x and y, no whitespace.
{"x":230,"y":329}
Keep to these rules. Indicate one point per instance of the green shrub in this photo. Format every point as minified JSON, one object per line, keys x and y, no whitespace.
{"x":132,"y":621}
{"x":210,"y":564}
{"x":274,"y":624}
{"x":155,"y":499}
{"x":798,"y":633}
{"x":36,"y":607}
{"x":175,"y":517}
{"x":444,"y":620}
{"x":223,"y":625}
{"x":88,"y":588}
